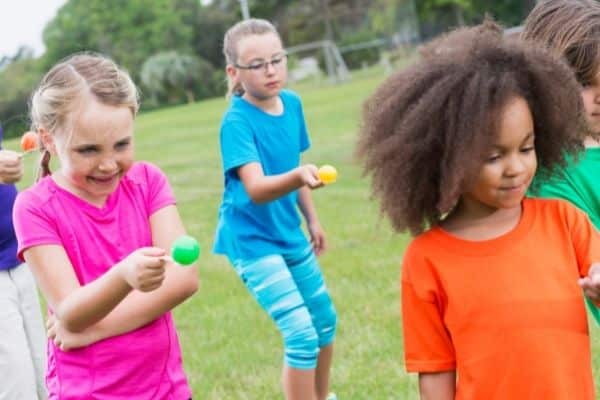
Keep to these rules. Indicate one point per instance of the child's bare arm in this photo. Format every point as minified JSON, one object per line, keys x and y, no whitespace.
{"x":262,"y":188}
{"x":139,"y":309}
{"x":79,"y":307}
{"x":437,"y":385}
{"x":307,"y":207}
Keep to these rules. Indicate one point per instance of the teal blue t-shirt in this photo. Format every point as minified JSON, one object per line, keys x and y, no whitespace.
{"x":247,"y":230}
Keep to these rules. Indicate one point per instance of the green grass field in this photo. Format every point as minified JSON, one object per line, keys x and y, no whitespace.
{"x":231,"y":349}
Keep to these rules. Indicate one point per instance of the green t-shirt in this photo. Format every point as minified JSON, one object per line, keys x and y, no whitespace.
{"x":578,"y":183}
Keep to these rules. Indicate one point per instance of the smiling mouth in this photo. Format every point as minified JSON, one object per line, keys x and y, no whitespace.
{"x":513,"y":188}
{"x":104,"y":179}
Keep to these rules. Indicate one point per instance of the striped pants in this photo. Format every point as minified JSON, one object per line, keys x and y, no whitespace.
{"x":292,"y":291}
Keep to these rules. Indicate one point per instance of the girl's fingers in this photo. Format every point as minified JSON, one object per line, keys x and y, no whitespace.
{"x":167,"y":259}
{"x":152,"y":283}
{"x":323,"y":243}
{"x":593,"y":294}
{"x":156,"y":262}
{"x":156,"y":280}
{"x":153,"y":252}
{"x":590,"y":288}
{"x":153,"y":274}
{"x":585,"y":282}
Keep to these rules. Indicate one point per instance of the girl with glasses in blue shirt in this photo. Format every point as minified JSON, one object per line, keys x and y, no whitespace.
{"x":262,"y":136}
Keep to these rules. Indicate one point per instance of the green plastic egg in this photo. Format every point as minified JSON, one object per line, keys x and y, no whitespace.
{"x":185,"y":250}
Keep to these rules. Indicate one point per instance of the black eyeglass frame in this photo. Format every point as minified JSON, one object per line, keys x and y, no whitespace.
{"x":263,"y":65}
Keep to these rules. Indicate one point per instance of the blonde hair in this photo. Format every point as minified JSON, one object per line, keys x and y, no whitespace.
{"x":252,"y":26}
{"x":570,"y":29}
{"x":63,"y":88}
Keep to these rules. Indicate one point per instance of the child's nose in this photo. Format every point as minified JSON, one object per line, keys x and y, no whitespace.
{"x":108,"y":164}
{"x":269,"y":68}
{"x":515,"y":166}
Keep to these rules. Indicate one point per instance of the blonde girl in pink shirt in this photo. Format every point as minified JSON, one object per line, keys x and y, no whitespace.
{"x":94,"y":233}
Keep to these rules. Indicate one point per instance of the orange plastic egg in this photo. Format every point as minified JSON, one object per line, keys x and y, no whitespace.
{"x":29,"y":141}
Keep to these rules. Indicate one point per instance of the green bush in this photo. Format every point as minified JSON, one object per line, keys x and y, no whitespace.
{"x":17,"y":81}
{"x":356,"y":58}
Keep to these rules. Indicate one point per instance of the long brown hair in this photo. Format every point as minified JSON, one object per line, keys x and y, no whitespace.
{"x":570,"y":29}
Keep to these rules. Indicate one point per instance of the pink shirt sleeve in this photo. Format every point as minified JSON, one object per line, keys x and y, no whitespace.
{"x":158,"y":191}
{"x":33,"y":224}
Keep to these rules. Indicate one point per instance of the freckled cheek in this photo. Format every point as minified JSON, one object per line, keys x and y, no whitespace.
{"x":84,"y":167}
{"x":75,"y":173}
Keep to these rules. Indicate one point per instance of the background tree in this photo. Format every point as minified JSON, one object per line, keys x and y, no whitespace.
{"x":134,"y":32}
{"x":128,"y":31}
{"x":170,"y":77}
{"x":18,"y":79}
{"x":209,"y":26}
{"x":436,"y":16}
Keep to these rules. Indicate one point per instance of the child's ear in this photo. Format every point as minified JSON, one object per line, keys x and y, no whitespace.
{"x":47,"y":140}
{"x":232,"y":72}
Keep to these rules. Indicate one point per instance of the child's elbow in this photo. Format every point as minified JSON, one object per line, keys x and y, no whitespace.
{"x":258,"y":199}
{"x":257,"y":192}
{"x":193,"y":287}
{"x":192,"y":284}
{"x":69,"y":321}
{"x":257,"y":196}
{"x":73,"y":326}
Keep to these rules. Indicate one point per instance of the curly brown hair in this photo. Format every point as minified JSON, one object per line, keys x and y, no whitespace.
{"x":570,"y":29}
{"x":426,"y":130}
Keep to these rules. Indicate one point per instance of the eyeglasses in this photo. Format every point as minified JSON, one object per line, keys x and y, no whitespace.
{"x":276,"y":62}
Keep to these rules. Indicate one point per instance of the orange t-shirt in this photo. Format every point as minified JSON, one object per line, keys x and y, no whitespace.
{"x":507,"y":313}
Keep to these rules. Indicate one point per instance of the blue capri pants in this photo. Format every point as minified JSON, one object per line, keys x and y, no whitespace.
{"x":290,"y":288}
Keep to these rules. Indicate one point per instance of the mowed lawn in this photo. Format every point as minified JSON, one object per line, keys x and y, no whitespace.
{"x":231,"y":349}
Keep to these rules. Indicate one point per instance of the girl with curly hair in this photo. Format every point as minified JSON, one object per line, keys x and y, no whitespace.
{"x":489,"y":284}
{"x":571,"y":30}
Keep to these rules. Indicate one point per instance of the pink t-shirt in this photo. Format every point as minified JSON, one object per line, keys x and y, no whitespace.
{"x":145,"y":363}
